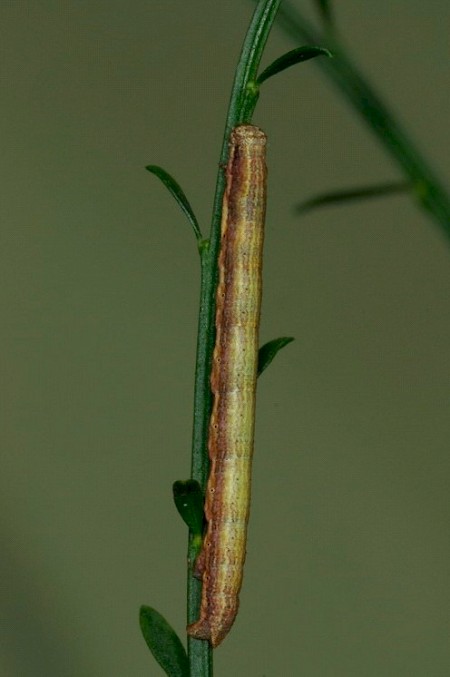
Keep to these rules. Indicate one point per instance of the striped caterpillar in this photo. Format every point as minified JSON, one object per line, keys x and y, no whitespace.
{"x":233,"y":384}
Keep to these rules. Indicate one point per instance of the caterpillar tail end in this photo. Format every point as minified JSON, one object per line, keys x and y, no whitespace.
{"x":201,"y":629}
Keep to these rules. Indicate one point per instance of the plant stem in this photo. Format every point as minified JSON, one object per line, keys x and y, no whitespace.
{"x":200,"y":653}
{"x":429,"y":192}
{"x":242,"y":102}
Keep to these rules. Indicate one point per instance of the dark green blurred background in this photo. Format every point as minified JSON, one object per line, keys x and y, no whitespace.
{"x":347,"y":568}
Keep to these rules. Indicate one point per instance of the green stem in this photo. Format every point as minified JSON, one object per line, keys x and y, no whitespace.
{"x":243,"y":99}
{"x":431,"y":195}
{"x":199,"y":652}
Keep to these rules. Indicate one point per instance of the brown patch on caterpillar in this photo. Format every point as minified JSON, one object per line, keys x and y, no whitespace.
{"x":233,"y":384}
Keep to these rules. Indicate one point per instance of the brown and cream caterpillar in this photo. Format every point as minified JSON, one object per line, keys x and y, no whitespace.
{"x":233,"y":384}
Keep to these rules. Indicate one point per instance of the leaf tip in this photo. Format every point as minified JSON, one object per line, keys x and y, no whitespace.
{"x":268,"y":351}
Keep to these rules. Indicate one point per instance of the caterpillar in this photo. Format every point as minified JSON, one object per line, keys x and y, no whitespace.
{"x":233,"y":385}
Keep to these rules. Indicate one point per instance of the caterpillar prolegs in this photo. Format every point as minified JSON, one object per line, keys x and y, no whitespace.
{"x":233,"y":384}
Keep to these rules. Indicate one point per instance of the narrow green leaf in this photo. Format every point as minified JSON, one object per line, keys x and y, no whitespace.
{"x":188,"y":497}
{"x":326,"y":13}
{"x":290,"y":59}
{"x":268,"y":351}
{"x":175,"y":189}
{"x":353,"y":194}
{"x":163,"y":642}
